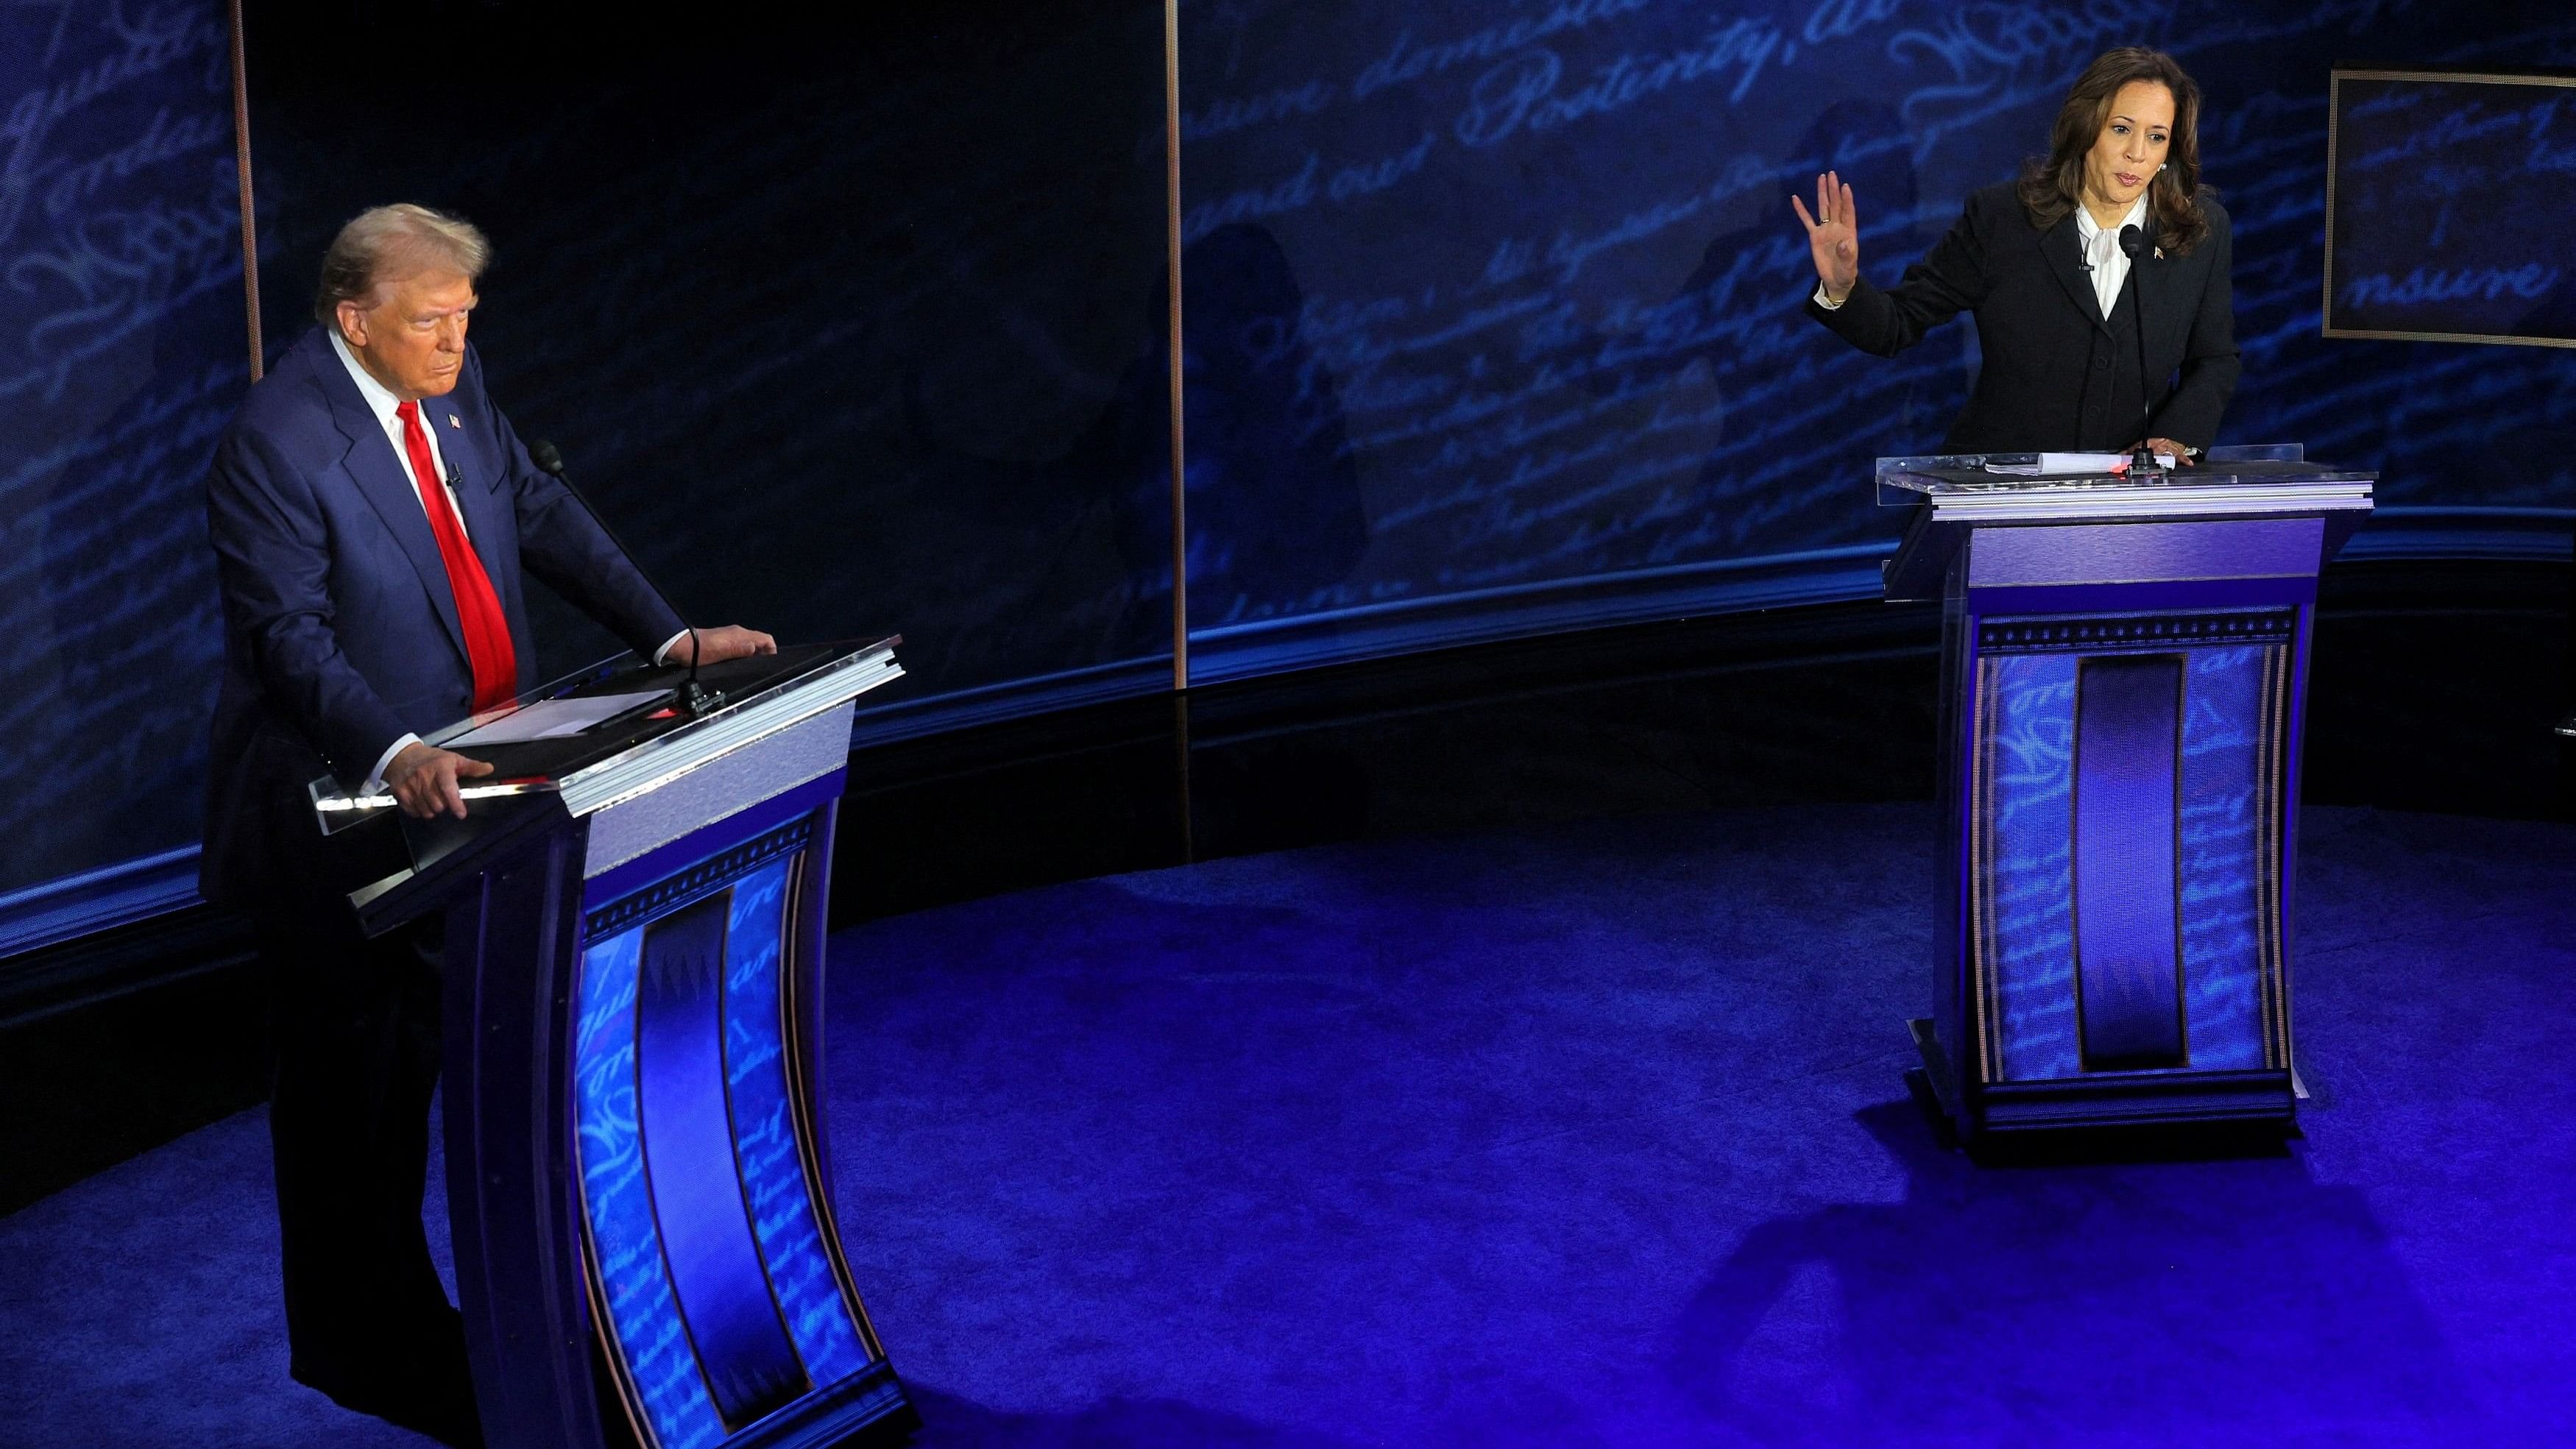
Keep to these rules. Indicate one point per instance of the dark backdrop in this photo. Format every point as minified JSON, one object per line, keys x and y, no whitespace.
{"x":838,"y":321}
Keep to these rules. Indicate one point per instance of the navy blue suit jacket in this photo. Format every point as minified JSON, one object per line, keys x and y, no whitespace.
{"x":340,"y":630}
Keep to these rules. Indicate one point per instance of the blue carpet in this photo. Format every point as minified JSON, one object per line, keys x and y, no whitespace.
{"x":1580,"y":1135}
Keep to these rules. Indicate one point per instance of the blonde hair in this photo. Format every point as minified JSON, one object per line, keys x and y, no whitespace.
{"x":387,"y":243}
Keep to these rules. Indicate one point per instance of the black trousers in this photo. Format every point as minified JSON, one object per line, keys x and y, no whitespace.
{"x":356,"y":1028}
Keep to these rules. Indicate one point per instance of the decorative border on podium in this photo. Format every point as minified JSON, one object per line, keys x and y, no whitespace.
{"x":2022,"y":635}
{"x":669,"y":894}
{"x":2022,"y":702}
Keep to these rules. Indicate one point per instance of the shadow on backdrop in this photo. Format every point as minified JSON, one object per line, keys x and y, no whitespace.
{"x":1906,"y":409}
{"x":1272,"y":500}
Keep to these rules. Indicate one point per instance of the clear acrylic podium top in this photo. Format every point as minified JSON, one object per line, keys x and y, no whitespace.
{"x":614,"y":771}
{"x":2270,"y":467}
{"x":649,"y":738}
{"x":1955,"y":494}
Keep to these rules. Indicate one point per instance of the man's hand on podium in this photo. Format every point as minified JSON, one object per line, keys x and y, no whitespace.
{"x":424,"y":780}
{"x":717,"y":645}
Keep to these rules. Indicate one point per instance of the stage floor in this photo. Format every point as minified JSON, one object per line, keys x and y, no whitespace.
{"x":1591,"y":1134}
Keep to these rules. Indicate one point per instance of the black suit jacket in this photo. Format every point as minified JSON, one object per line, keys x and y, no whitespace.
{"x":340,"y":631}
{"x":2057,"y":375}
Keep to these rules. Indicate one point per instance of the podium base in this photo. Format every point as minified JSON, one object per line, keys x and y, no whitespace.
{"x":2239,"y":1103}
{"x":869,"y":1412}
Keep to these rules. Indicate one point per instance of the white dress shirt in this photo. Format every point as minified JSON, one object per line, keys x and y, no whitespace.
{"x":2102,"y":251}
{"x":384,"y":405}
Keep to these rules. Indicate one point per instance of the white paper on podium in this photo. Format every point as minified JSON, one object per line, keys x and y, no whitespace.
{"x":552,"y":719}
{"x":2051,"y":465}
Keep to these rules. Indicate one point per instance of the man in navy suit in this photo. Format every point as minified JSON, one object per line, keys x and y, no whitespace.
{"x":371,"y":512}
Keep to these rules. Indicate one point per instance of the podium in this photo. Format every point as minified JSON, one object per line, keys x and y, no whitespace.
{"x":637,"y":1175}
{"x":2123,"y":674}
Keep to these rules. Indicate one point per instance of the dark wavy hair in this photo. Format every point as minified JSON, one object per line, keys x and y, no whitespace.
{"x":2052,"y":187}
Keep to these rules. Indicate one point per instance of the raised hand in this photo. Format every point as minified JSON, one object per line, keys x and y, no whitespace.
{"x":1833,"y":235}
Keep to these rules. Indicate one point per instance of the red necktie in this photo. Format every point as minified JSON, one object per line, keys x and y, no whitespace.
{"x":478,"y":609}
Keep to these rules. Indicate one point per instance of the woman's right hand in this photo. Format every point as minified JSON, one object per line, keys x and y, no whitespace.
{"x":1833,"y":236}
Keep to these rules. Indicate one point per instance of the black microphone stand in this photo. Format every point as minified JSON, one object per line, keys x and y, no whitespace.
{"x":2133,"y":244}
{"x":696,"y":698}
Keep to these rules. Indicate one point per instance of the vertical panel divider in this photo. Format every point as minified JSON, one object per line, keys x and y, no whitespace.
{"x":1180,"y":470}
{"x":1172,"y":244}
{"x":249,"y":214}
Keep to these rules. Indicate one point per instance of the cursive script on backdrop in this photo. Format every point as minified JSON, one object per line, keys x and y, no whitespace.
{"x":1551,"y":282}
{"x":2421,"y":167}
{"x":122,"y":354}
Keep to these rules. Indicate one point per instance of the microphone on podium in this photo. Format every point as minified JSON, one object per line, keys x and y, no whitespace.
{"x":696,"y":698}
{"x":2133,"y":245}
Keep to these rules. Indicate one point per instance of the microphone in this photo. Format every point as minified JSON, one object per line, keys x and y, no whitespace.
{"x":2133,"y":245}
{"x":696,"y":698}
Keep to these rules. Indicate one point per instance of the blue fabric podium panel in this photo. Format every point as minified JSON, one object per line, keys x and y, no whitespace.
{"x":775,"y":1170}
{"x":697,"y":1192}
{"x":721,"y":1301}
{"x":2231,"y":836}
{"x":2127,"y":939}
{"x":2124,"y":848}
{"x":2027,"y":752}
{"x":634,"y":1284}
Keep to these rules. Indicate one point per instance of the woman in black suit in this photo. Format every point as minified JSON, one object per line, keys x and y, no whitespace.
{"x":2039,"y":261}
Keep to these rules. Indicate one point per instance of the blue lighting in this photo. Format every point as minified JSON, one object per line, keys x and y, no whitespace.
{"x":2028,"y":893}
{"x":2224,"y":798}
{"x":774,"y":1183}
{"x":642,"y":1312}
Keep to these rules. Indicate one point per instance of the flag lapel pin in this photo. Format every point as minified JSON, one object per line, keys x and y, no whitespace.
{"x":454,"y":421}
